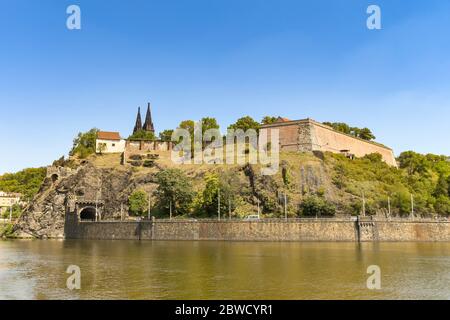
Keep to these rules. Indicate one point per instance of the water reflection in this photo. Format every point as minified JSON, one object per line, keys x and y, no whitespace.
{"x":222,"y":270}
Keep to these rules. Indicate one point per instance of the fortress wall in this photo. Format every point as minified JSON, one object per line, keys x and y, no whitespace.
{"x":136,"y":146}
{"x":326,"y":139}
{"x":288,"y":135}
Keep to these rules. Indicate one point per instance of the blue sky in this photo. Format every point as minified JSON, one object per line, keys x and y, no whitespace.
{"x":224,"y":59}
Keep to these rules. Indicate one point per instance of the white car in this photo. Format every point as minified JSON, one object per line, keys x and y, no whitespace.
{"x":252,"y":217}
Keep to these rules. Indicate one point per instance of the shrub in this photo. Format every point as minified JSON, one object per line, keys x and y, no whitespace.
{"x":317,"y":206}
{"x":138,"y":202}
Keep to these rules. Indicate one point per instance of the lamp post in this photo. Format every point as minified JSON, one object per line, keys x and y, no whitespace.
{"x":149,"y":206}
{"x":364,"y":204}
{"x":218,"y":204}
{"x":258,"y":208}
{"x":389,"y":206}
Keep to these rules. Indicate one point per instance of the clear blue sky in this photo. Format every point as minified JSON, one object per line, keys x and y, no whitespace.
{"x":220,"y":58}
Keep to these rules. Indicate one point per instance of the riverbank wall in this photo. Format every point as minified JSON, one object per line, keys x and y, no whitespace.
{"x":335,"y":230}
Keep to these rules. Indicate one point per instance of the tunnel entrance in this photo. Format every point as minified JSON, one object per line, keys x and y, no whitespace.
{"x":87,"y":214}
{"x":54,"y":177}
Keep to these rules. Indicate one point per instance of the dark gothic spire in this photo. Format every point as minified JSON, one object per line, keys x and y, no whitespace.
{"x":148,"y":124}
{"x":138,"y":124}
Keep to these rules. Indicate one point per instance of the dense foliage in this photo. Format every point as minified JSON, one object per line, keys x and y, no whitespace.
{"x":424,"y":179}
{"x":362,"y":133}
{"x":166,"y":135}
{"x":245,"y":123}
{"x":84,"y":144}
{"x":142,"y":135}
{"x":269,"y":120}
{"x":174,"y":188}
{"x":15,"y":211}
{"x":27,"y":181}
{"x":138,"y":202}
{"x":316,"y":206}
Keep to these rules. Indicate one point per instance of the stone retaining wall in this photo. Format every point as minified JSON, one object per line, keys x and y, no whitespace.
{"x":307,"y":230}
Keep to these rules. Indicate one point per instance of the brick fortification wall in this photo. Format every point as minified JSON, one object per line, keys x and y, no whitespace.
{"x":309,"y":135}
{"x":299,"y":230}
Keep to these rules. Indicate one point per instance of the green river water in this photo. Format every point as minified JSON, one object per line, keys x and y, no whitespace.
{"x":36,"y":269}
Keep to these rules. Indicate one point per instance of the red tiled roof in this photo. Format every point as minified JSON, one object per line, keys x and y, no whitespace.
{"x":105,"y":135}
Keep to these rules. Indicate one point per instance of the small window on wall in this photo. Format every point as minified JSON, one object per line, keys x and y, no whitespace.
{"x":113,"y":144}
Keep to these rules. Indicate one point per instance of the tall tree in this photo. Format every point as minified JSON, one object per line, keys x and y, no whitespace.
{"x":441,"y":187}
{"x":176,"y":188}
{"x":366,"y":134}
{"x":84,"y":143}
{"x":245,"y":123}
{"x":268,"y":120}
{"x":138,"y":202}
{"x":166,"y":135}
{"x":209,"y":123}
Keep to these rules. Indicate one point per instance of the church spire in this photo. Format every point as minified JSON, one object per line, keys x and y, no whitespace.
{"x":138,"y":125}
{"x":148,"y":124}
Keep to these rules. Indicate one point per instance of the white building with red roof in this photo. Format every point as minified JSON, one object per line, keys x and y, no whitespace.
{"x":109,"y":142}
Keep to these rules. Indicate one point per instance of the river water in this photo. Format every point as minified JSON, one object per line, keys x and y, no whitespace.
{"x":36,"y":269}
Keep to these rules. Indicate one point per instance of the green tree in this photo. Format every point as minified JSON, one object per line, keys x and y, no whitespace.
{"x":269,"y":120}
{"x":245,"y":123}
{"x":84,"y":144}
{"x":448,"y":183}
{"x":317,"y":206}
{"x":210,"y":194}
{"x":413,"y":162}
{"x":166,"y":135}
{"x":209,"y":123}
{"x":27,"y":182}
{"x":374,"y":157}
{"x":441,"y":187}
{"x":442,"y":205}
{"x":176,"y":188}
{"x":102,"y":147}
{"x":138,"y":202}
{"x":142,"y":135}
{"x":188,"y":125}
{"x":366,"y":134}
{"x":16,"y":212}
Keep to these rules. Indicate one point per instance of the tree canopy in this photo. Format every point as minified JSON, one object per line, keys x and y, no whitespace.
{"x":84,"y":143}
{"x":362,"y":133}
{"x":142,"y":135}
{"x":27,"y":181}
{"x":269,"y":120}
{"x":176,"y":188}
{"x":166,"y":135}
{"x":245,"y":123}
{"x":138,"y":202}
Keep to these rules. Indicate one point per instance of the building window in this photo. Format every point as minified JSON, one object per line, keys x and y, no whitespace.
{"x":113,"y":144}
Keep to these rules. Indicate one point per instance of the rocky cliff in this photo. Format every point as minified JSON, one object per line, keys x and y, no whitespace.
{"x":102,"y":178}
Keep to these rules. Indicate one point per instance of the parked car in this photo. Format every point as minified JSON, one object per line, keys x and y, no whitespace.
{"x":252,"y":217}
